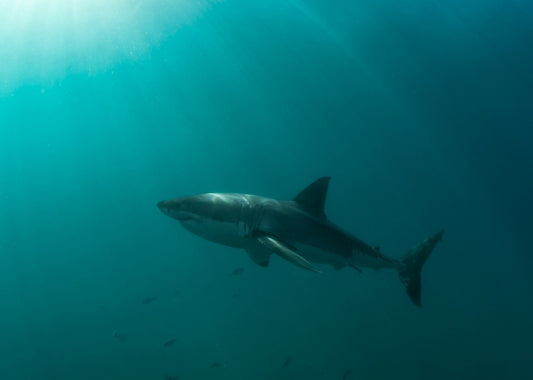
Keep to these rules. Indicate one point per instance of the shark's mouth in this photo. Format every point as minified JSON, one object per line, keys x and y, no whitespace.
{"x":186,"y":217}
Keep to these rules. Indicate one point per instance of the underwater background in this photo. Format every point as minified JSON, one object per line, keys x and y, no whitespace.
{"x":420,"y":111}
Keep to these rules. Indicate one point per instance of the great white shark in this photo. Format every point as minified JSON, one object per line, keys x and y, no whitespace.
{"x":296,"y":230}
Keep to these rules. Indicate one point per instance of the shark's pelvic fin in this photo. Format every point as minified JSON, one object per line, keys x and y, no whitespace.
{"x":356,"y":268}
{"x":313,"y":197}
{"x":286,"y":252}
{"x":412,"y":263}
{"x":337,"y":266}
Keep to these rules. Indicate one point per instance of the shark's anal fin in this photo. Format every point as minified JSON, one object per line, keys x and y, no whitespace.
{"x":339,"y":266}
{"x":286,"y":252}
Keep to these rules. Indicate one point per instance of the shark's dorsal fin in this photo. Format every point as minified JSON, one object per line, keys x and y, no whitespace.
{"x":313,"y":197}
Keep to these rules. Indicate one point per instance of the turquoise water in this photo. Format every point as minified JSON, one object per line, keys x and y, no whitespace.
{"x":421,"y":112}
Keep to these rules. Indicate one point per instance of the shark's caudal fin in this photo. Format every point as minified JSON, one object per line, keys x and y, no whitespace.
{"x":412,"y":262}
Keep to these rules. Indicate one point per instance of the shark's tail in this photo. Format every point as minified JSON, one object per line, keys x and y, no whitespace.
{"x":412,"y":263}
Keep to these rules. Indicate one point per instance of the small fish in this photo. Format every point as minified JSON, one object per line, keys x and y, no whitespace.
{"x":346,"y":374}
{"x":237,"y":271}
{"x":215,"y":365}
{"x":148,"y":300}
{"x":169,"y":342}
{"x":287,"y":362}
{"x":120,"y":336}
{"x":171,"y":377}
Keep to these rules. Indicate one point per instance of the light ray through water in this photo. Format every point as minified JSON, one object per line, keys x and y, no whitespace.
{"x":44,"y":40}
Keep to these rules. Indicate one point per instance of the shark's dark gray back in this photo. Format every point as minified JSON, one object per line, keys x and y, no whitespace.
{"x":304,"y":220}
{"x":289,"y":222}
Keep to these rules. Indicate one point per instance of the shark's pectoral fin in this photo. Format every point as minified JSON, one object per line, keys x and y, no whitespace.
{"x":286,"y":252}
{"x":259,"y":255}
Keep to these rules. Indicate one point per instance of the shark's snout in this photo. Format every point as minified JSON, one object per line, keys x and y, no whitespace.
{"x":174,"y":209}
{"x":163,"y":206}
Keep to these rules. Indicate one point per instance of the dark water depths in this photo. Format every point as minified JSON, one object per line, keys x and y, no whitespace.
{"x":420,"y":111}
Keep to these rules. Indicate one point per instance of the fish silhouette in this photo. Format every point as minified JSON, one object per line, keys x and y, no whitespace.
{"x":120,"y":336}
{"x":148,"y":300}
{"x":287,"y":362}
{"x":237,"y":271}
{"x":169,"y":342}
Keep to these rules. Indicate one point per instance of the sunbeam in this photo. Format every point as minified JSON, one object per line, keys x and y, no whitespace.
{"x":43,"y":40}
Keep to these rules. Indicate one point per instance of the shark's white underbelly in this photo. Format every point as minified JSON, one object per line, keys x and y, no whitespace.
{"x":319,"y":255}
{"x":216,"y":231}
